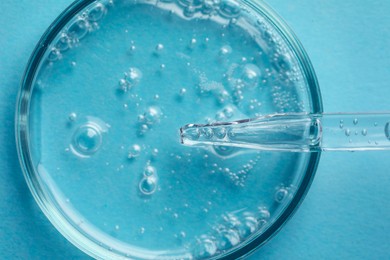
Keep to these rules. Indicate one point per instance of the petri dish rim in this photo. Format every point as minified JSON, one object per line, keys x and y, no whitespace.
{"x":47,"y":203}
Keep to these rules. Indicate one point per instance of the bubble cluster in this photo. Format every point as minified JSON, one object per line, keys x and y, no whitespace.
{"x":131,"y":79}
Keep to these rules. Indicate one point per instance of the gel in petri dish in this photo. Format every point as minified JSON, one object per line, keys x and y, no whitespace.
{"x":103,"y":97}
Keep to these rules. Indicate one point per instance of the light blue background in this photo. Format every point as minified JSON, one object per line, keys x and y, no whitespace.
{"x":347,"y":211}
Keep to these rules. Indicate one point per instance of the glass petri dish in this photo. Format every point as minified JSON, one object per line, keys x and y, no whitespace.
{"x":98,"y":116}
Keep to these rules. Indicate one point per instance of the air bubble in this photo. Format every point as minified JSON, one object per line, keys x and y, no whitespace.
{"x":78,"y":29}
{"x":72,"y":117}
{"x":189,"y":11}
{"x":347,"y":132}
{"x":86,"y":140}
{"x":364,"y":132}
{"x":225,"y":50}
{"x":355,"y":121}
{"x":149,"y":171}
{"x":208,"y":7}
{"x":281,"y":194}
{"x":151,"y":115}
{"x":97,"y":12}
{"x":251,"y":75}
{"x":229,"y":9}
{"x":207,"y":133}
{"x":148,"y":185}
{"x":182,"y":91}
{"x":63,"y":42}
{"x":54,"y":54}
{"x":220,"y":132}
{"x":134,"y":151}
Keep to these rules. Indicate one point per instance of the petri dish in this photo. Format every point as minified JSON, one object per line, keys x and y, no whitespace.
{"x":98,"y":116}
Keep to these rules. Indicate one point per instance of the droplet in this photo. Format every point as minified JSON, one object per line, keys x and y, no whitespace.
{"x":347,"y":132}
{"x":148,"y":185}
{"x":364,"y":132}
{"x":355,"y":121}
{"x":134,"y":151}
{"x":159,"y":47}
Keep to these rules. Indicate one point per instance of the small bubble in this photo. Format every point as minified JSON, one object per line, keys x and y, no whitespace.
{"x":355,"y":121}
{"x":117,"y":227}
{"x":54,"y":54}
{"x":159,"y":47}
{"x":220,"y":132}
{"x":207,"y":133}
{"x":225,"y":50}
{"x":155,"y":152}
{"x":149,"y":171}
{"x":72,"y":117}
{"x":192,"y":43}
{"x":189,"y":11}
{"x":162,"y":66}
{"x":182,"y":91}
{"x":142,"y":230}
{"x":228,"y":112}
{"x":281,"y":194}
{"x":134,"y":151}
{"x":347,"y":132}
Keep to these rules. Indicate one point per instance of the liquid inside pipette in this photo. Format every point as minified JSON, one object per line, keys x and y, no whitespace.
{"x":296,"y":132}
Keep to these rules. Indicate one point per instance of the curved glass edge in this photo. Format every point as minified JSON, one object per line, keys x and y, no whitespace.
{"x":55,"y":216}
{"x":316,"y":107}
{"x":44,"y":201}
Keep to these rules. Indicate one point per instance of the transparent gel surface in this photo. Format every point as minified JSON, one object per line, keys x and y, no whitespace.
{"x":102,"y":143}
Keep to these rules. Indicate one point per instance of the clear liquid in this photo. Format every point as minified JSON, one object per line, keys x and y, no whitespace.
{"x":107,"y":107}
